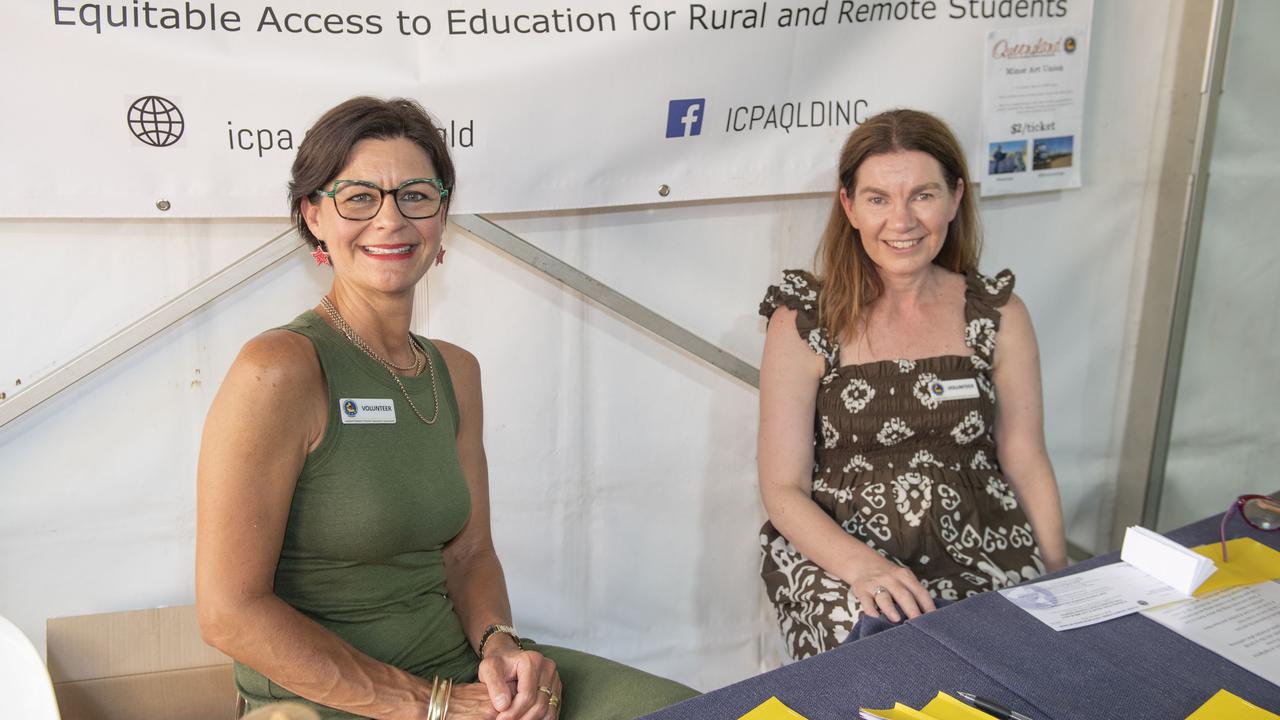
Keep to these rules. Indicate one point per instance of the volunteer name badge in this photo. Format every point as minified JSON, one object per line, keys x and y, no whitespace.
{"x":366,"y":411}
{"x":961,"y":389}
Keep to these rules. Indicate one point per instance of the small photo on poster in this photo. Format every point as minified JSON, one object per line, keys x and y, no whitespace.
{"x":1009,"y":156}
{"x":1050,"y":153}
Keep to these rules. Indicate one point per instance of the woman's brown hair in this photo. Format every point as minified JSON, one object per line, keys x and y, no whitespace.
{"x":327,"y":146}
{"x":849,"y":278}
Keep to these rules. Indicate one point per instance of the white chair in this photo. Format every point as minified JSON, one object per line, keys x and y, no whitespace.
{"x":28,"y":692}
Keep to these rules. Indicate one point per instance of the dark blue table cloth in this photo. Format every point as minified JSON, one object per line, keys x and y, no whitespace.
{"x":1130,"y":668}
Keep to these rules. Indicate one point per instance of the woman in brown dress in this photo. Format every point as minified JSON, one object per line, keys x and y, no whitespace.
{"x":890,"y":474}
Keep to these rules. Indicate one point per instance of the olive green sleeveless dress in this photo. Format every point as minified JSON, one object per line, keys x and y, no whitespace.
{"x":904,"y":465}
{"x":373,"y":508}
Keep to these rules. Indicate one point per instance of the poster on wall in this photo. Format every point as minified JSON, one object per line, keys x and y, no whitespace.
{"x":166,"y":108}
{"x":1033,"y":109}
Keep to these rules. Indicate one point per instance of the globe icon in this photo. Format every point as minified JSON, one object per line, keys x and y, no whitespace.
{"x":155,"y":121}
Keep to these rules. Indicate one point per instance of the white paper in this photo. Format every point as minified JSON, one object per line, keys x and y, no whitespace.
{"x":1033,"y":109}
{"x":1241,"y":624}
{"x":1176,"y":565}
{"x":1093,"y":596}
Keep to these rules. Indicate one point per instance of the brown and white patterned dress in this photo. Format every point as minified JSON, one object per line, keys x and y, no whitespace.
{"x":914,"y":477}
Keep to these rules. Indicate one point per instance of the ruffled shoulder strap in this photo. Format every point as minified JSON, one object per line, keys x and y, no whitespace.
{"x":799,"y":290}
{"x":984,"y":296}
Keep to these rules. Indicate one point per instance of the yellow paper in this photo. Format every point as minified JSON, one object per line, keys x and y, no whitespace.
{"x":941,"y":707}
{"x":1226,"y":706}
{"x":1251,"y":563}
{"x":945,"y":707}
{"x":772,"y":709}
{"x":902,"y":712}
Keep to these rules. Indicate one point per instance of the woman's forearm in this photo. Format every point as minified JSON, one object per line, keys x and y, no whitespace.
{"x":1037,"y":489}
{"x":817,"y":537}
{"x":479,"y":592}
{"x":1044,"y":511}
{"x":302,"y":656}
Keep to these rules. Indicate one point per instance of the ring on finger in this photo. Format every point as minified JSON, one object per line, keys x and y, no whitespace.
{"x":879,"y":589}
{"x":552,"y":700}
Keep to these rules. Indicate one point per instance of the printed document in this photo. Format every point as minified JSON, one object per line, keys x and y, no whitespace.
{"x":1093,"y":596}
{"x":1241,"y":624}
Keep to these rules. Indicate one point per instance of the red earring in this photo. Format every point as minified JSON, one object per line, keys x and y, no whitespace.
{"x":322,"y":257}
{"x":440,"y":257}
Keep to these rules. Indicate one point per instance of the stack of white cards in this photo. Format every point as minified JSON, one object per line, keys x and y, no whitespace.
{"x":1165,"y":560}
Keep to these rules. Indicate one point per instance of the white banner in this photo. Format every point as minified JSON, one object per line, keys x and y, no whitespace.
{"x":154,"y":108}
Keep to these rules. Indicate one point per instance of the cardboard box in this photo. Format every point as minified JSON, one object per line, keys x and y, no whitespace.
{"x":138,"y":665}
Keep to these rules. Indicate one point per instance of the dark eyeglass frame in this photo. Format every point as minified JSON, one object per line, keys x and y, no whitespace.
{"x":382,"y":196}
{"x":1237,"y":506}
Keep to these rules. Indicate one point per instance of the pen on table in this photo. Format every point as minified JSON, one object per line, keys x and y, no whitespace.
{"x":992,"y":708}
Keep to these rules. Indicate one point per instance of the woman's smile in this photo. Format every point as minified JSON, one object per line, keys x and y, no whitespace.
{"x":402,"y":251}
{"x":902,"y":244}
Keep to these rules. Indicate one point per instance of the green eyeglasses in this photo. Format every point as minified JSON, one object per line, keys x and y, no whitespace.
{"x":416,"y":199}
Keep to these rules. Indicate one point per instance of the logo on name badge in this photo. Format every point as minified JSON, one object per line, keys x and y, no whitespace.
{"x":367,"y":411}
{"x":684,"y":117}
{"x":936,"y":389}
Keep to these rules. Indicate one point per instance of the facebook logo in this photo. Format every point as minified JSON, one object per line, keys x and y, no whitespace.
{"x":684,"y":117}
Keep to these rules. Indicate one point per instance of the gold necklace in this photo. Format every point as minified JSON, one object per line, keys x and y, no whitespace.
{"x":351,"y":335}
{"x":416,"y":367}
{"x":414,"y":350}
{"x":359,"y":342}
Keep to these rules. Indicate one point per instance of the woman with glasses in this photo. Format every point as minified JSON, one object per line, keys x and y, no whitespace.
{"x":901,"y":447}
{"x":343,"y":554}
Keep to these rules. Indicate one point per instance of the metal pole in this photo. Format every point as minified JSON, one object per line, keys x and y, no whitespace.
{"x":265,"y":256}
{"x":553,"y":267}
{"x":1211,"y":89}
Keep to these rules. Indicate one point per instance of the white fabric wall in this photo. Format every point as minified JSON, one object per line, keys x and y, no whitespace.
{"x":623,"y":474}
{"x":1223,"y":441}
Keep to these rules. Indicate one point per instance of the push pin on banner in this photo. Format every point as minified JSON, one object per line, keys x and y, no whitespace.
{"x":163,"y":205}
{"x":664,"y":190}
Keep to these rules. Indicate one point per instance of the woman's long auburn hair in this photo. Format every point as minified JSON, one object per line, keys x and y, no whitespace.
{"x":850,"y":281}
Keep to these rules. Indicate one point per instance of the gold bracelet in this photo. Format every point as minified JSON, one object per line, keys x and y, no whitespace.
{"x":448,"y":693}
{"x":441,"y":690}
{"x":490,"y":631}
{"x":433,"y":707}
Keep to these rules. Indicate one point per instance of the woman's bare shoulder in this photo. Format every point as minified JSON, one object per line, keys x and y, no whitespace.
{"x":273,"y":395}
{"x":276,"y":375}
{"x":278,"y":357}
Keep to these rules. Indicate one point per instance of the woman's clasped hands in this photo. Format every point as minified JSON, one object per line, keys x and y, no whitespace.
{"x":514,"y":684}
